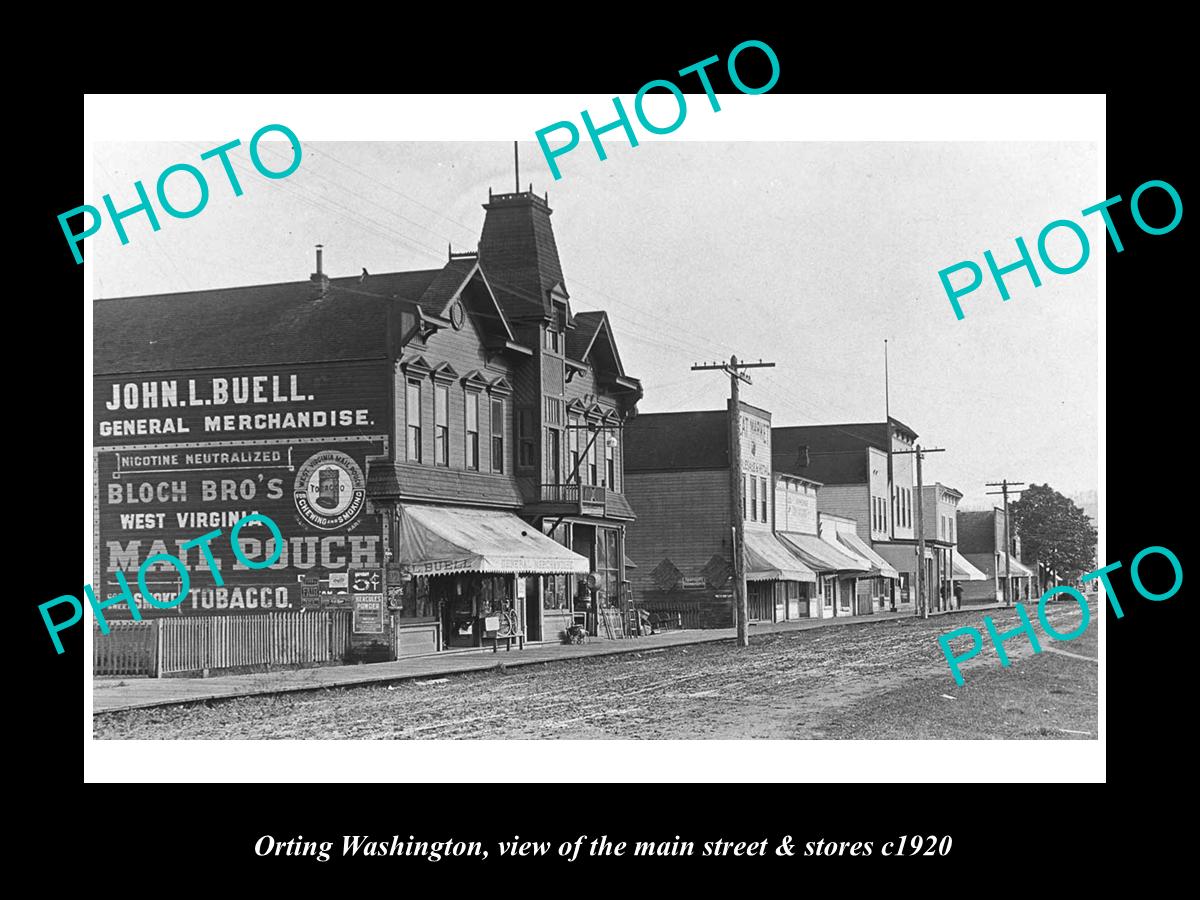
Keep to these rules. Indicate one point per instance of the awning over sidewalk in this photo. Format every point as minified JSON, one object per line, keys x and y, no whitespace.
{"x":436,"y":540}
{"x":821,"y":556}
{"x":963,"y":570}
{"x":1019,"y":570}
{"x":880,"y":567}
{"x":769,"y":559}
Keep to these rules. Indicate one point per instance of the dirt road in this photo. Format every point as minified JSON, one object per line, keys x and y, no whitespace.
{"x":877,"y":680}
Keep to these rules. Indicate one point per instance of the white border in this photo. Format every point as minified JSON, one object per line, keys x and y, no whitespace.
{"x":766,"y":117}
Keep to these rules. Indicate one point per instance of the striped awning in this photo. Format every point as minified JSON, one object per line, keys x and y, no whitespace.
{"x":880,"y":567}
{"x":1019,"y":570}
{"x":963,"y":570}
{"x":769,"y":559}
{"x":822,"y":556}
{"x":438,"y":540}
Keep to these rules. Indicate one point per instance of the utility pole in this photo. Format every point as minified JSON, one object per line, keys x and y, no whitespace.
{"x":1004,"y":486}
{"x":733,"y":369}
{"x":922,"y":600}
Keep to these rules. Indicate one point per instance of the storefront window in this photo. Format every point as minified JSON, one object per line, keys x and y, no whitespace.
{"x":418,"y":604}
{"x":554,"y":592}
{"x":608,"y":566}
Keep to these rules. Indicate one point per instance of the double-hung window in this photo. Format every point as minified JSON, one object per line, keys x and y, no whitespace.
{"x":472,"y":431}
{"x":412,"y":409}
{"x":497,"y":436}
{"x":441,"y":425}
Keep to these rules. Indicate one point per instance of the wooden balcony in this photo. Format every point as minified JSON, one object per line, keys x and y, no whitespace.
{"x":572,"y":499}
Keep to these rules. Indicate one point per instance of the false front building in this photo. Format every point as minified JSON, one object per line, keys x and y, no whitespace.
{"x":441,"y":449}
{"x":981,"y":541}
{"x":679,"y":478}
{"x":863,"y":481}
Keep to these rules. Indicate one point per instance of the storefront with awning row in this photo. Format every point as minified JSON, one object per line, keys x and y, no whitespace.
{"x":465,"y":574}
{"x":837,"y":570}
{"x":876,"y":589}
{"x":779,"y":585}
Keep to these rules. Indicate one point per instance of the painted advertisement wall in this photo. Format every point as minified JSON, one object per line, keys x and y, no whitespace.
{"x":185,"y":454}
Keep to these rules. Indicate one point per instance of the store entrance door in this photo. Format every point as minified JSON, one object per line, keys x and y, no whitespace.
{"x":533,"y":607}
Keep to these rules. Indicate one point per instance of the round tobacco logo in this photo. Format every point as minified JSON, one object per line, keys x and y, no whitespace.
{"x":330,"y":490}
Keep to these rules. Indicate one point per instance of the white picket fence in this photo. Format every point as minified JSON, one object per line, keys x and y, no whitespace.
{"x":167,"y":646}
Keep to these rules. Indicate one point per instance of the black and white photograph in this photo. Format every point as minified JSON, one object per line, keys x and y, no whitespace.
{"x":736,"y":440}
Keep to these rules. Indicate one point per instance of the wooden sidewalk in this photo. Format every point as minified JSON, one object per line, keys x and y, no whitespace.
{"x":115,"y":694}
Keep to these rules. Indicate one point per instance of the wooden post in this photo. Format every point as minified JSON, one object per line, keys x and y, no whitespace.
{"x":739,"y":526}
{"x":733,"y":370}
{"x":921,"y":586}
{"x":158,"y":648}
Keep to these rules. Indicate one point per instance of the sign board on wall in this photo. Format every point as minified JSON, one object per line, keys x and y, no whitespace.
{"x":754,"y":432}
{"x":292,"y":445}
{"x":368,"y":613}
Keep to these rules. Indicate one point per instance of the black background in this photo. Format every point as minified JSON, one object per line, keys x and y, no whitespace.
{"x":206,"y":832}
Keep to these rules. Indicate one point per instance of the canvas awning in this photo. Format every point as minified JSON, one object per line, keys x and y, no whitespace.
{"x":880,"y":567}
{"x":1019,"y":570}
{"x":436,"y":540}
{"x":963,"y":570}
{"x":820,"y":555}
{"x":630,"y":564}
{"x":769,"y":559}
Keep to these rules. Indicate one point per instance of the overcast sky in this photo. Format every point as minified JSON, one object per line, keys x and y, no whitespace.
{"x":804,"y":254}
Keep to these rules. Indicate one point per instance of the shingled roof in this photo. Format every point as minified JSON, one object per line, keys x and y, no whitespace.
{"x":446,"y":284}
{"x":519,"y":254}
{"x":592,"y":341}
{"x":265,"y":323}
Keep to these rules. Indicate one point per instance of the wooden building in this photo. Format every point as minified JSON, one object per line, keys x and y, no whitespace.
{"x":862,"y":481}
{"x":679,"y":479}
{"x":981,"y":542}
{"x":450,"y":440}
{"x":948,"y":569}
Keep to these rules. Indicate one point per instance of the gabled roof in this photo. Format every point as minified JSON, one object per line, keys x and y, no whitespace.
{"x":446,"y":285}
{"x":284,"y":323}
{"x":672,"y":441}
{"x":453,"y":282}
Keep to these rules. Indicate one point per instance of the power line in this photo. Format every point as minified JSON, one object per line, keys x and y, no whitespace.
{"x":733,"y":369}
{"x":1004,"y":485}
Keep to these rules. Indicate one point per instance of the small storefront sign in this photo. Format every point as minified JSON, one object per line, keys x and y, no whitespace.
{"x":368,"y":614}
{"x":366,"y":581}
{"x":693,"y":582}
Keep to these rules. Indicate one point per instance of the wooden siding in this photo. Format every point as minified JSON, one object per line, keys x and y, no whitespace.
{"x":681,"y":516}
{"x":850,"y":501}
